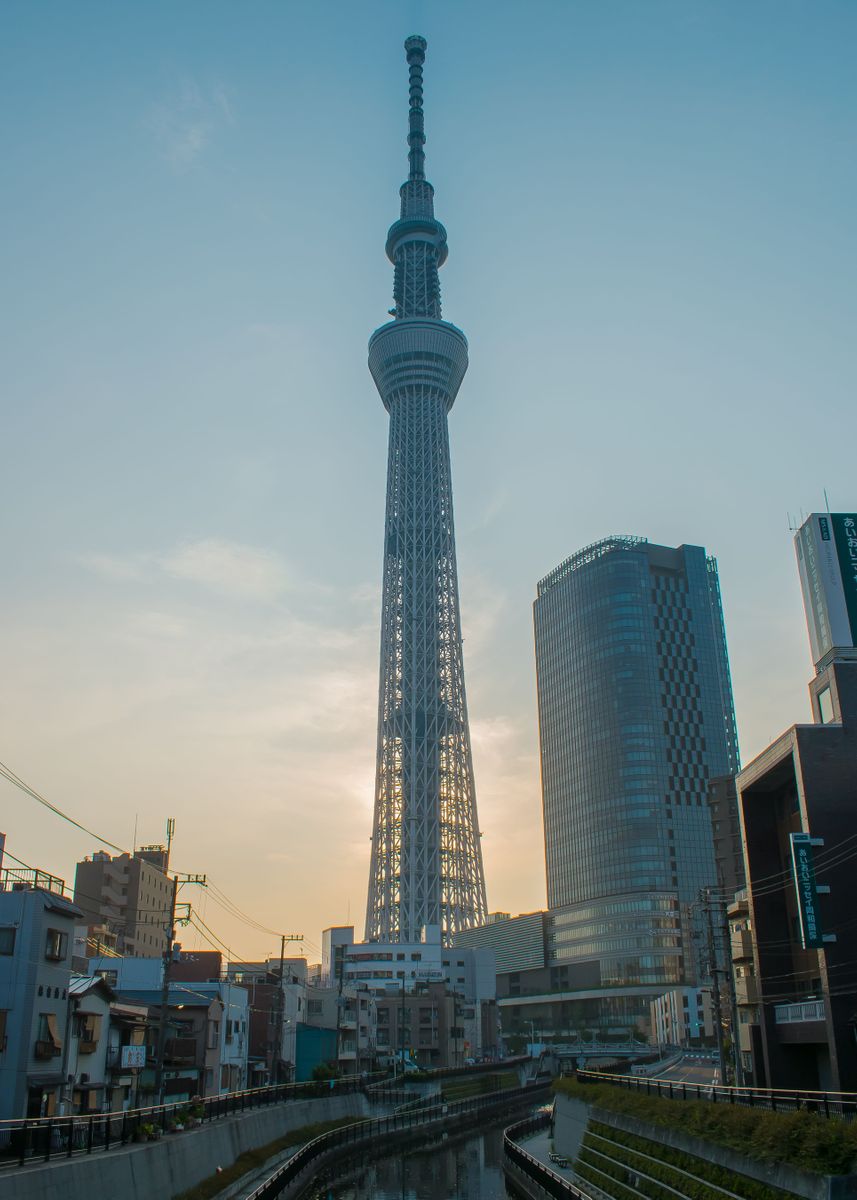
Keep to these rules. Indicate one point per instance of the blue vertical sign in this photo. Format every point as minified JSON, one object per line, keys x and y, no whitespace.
{"x":807,"y":896}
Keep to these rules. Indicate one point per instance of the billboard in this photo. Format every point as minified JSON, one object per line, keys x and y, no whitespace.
{"x":803,"y":870}
{"x":133,"y":1056}
{"x":826,"y":547}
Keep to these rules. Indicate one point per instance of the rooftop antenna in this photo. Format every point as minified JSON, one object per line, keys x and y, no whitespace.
{"x":826,"y":502}
{"x":171,"y":828}
{"x":134,"y":846}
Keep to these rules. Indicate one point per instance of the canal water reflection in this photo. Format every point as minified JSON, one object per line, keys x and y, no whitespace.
{"x":465,"y":1168}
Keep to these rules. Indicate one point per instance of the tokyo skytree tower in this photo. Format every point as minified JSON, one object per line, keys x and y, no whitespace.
{"x":426,"y":866}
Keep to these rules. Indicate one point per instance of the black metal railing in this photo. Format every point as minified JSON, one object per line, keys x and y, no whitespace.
{"x":364,"y":1133}
{"x":827,"y":1104}
{"x":41,"y":1139}
{"x":539,"y":1173}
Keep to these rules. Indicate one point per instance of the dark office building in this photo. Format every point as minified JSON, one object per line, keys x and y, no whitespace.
{"x":635,"y":718}
{"x":726,"y":832}
{"x":804,"y":940}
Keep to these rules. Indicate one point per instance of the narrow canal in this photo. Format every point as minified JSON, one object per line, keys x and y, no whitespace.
{"x":469,"y":1167}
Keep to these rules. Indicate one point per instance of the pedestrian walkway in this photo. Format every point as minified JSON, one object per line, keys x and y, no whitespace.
{"x":540,"y":1145}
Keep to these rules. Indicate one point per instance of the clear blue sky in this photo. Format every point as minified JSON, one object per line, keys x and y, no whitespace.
{"x":652,"y":251}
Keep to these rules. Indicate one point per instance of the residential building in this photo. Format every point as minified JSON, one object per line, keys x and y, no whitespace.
{"x":87,"y":1071}
{"x":421,"y":1026}
{"x":357,"y":1026}
{"x":799,"y":823}
{"x":130,"y":894}
{"x":276,"y":1007}
{"x":746,"y":1032}
{"x":37,"y":920}
{"x":683,"y":1017}
{"x":208,"y":1020}
{"x":127,"y":1055}
{"x":635,"y":718}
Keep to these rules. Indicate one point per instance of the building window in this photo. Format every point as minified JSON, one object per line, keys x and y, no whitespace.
{"x":7,"y":939}
{"x":49,"y":1043}
{"x":825,"y":706}
{"x":55,"y":945}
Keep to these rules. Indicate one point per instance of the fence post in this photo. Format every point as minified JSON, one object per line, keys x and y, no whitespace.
{"x":70,"y":1137}
{"x":49,"y":1141}
{"x":90,"y":1134}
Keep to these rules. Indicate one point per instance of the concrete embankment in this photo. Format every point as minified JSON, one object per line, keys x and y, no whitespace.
{"x":574,"y":1134}
{"x":163,"y":1169}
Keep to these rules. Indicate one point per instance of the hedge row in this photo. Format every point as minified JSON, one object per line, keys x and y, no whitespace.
{"x":824,"y":1145}
{"x":628,"y":1149}
{"x":593,"y":1170}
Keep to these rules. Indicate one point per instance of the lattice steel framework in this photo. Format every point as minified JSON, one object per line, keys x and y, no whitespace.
{"x":426,"y":866}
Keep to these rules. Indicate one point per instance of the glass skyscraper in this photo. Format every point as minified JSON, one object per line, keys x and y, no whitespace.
{"x":635,"y":716}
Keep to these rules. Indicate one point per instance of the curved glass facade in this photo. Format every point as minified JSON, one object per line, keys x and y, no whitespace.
{"x":635,"y":716}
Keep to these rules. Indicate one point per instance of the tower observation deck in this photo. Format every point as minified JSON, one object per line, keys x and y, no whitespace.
{"x":426,"y":862}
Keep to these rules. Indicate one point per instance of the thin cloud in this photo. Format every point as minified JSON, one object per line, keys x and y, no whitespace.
{"x":230,"y":568}
{"x":185,"y":124}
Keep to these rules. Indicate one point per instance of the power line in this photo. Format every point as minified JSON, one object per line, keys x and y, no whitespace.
{"x":9,"y":774}
{"x":219,"y":895}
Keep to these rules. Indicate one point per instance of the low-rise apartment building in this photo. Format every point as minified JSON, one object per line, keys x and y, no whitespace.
{"x":37,"y":920}
{"x":684,"y":1017}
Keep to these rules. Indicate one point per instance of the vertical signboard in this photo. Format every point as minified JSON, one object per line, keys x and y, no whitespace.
{"x":807,"y":896}
{"x":826,"y":546}
{"x":845,"y":537}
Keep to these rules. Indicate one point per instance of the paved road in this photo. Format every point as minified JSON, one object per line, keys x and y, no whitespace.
{"x":692,"y":1070}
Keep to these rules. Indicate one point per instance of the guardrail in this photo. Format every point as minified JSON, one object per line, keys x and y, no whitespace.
{"x":826,"y":1104}
{"x":539,"y":1173}
{"x":807,"y":1010}
{"x":364,"y":1132}
{"x":43,"y":1138}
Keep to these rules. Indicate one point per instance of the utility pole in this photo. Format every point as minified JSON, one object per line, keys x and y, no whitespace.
{"x":281,"y":1008}
{"x":723,"y":905}
{"x":178,"y":881}
{"x":402,"y":1027}
{"x":705,"y":899}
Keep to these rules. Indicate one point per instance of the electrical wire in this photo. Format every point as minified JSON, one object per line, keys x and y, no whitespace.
{"x":8,"y":774}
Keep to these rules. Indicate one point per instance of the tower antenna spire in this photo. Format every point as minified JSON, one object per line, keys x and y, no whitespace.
{"x":415,"y":48}
{"x":426,"y":870}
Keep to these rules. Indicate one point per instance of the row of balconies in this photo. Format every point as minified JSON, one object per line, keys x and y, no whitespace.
{"x":746,"y":990}
{"x":741,"y":944}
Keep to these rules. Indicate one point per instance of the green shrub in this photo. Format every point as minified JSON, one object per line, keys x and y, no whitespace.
{"x":824,"y":1145}
{"x":628,"y":1148}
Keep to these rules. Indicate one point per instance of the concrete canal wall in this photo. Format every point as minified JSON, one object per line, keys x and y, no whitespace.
{"x":164,"y":1169}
